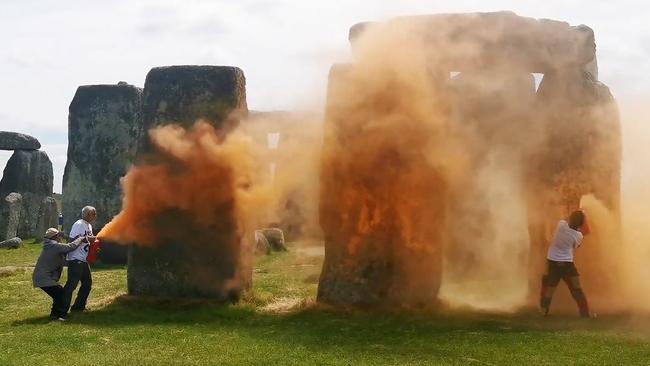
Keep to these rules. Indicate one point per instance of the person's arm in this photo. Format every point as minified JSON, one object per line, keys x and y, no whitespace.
{"x":67,"y":248}
{"x":585,"y":229}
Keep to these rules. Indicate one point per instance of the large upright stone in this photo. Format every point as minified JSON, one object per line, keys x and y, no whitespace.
{"x":381,"y":206}
{"x":10,"y":209}
{"x":48,"y":216}
{"x":184,"y":94}
{"x":202,"y":263}
{"x":18,"y":141}
{"x":30,"y":174}
{"x":104,"y":127}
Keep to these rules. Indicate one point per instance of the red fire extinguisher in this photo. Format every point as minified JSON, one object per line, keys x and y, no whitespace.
{"x":93,"y":251}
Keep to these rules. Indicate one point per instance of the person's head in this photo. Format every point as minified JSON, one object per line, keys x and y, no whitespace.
{"x":53,"y":234}
{"x":576,"y":219}
{"x":89,"y":214}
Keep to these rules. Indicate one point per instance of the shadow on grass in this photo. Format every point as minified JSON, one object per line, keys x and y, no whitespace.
{"x":98,"y":267}
{"x":415,"y":335}
{"x":127,"y":310}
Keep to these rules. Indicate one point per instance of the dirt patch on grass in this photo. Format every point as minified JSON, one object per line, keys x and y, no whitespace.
{"x":284,"y":305}
{"x":9,"y":271}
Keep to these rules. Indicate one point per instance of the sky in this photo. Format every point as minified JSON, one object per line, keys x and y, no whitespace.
{"x":285,"y":48}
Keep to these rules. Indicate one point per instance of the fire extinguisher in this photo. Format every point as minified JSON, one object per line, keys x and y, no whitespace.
{"x":93,"y":251}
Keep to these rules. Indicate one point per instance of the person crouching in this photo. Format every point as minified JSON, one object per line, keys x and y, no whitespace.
{"x":49,"y":266}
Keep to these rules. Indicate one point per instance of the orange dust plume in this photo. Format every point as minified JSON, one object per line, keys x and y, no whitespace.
{"x":445,"y":164}
{"x":196,"y":172}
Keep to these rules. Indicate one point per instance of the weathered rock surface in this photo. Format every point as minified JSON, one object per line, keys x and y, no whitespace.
{"x":113,"y":253}
{"x":184,"y":94}
{"x":30,"y":174}
{"x":104,"y":128}
{"x":475,"y":41}
{"x":262,"y":245}
{"x":370,"y":258}
{"x":268,"y":240}
{"x":10,"y":210}
{"x":48,"y":216}
{"x":13,"y":243}
{"x":275,"y":238}
{"x":201,"y":261}
{"x":18,"y":141}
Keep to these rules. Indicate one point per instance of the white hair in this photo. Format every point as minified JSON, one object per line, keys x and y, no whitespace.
{"x":86,"y":210}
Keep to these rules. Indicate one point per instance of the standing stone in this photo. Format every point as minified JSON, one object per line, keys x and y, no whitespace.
{"x":10,"y":215}
{"x":206,"y":263}
{"x":184,"y":94}
{"x":48,"y":216}
{"x":30,"y":174}
{"x":382,"y":248}
{"x":104,"y":127}
{"x":18,"y":141}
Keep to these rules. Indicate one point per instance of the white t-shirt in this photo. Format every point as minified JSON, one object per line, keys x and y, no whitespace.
{"x":564,"y":242}
{"x":80,"y":228}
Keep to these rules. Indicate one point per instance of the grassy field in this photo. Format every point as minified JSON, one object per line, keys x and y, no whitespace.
{"x":278,"y":323}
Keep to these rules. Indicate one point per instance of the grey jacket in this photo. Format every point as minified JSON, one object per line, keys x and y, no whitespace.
{"x":50,"y":263}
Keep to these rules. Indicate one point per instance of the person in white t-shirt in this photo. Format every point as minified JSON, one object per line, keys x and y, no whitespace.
{"x":78,"y":268}
{"x":568,"y":236}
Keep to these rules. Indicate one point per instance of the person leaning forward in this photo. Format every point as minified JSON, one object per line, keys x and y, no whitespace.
{"x":48,"y":268}
{"x":568,"y":236}
{"x":78,"y":268}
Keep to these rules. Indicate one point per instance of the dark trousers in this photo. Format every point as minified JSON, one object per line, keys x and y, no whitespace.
{"x":78,"y":271}
{"x":567,"y":272}
{"x":58,"y":307}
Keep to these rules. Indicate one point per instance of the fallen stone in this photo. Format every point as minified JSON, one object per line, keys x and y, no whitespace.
{"x":262,"y":245}
{"x":13,"y":243}
{"x":275,"y":238}
{"x":18,"y":141}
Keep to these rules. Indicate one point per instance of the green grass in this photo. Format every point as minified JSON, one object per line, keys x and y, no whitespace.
{"x":278,"y":323}
{"x":24,"y":256}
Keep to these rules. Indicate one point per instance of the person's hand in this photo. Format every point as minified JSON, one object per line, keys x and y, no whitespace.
{"x":91,"y":238}
{"x":78,"y":240}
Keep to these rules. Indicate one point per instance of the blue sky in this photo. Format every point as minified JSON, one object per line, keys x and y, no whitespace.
{"x":285,"y":48}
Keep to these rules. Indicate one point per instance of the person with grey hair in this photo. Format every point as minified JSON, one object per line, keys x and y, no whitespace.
{"x":48,"y":268}
{"x":78,"y":268}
